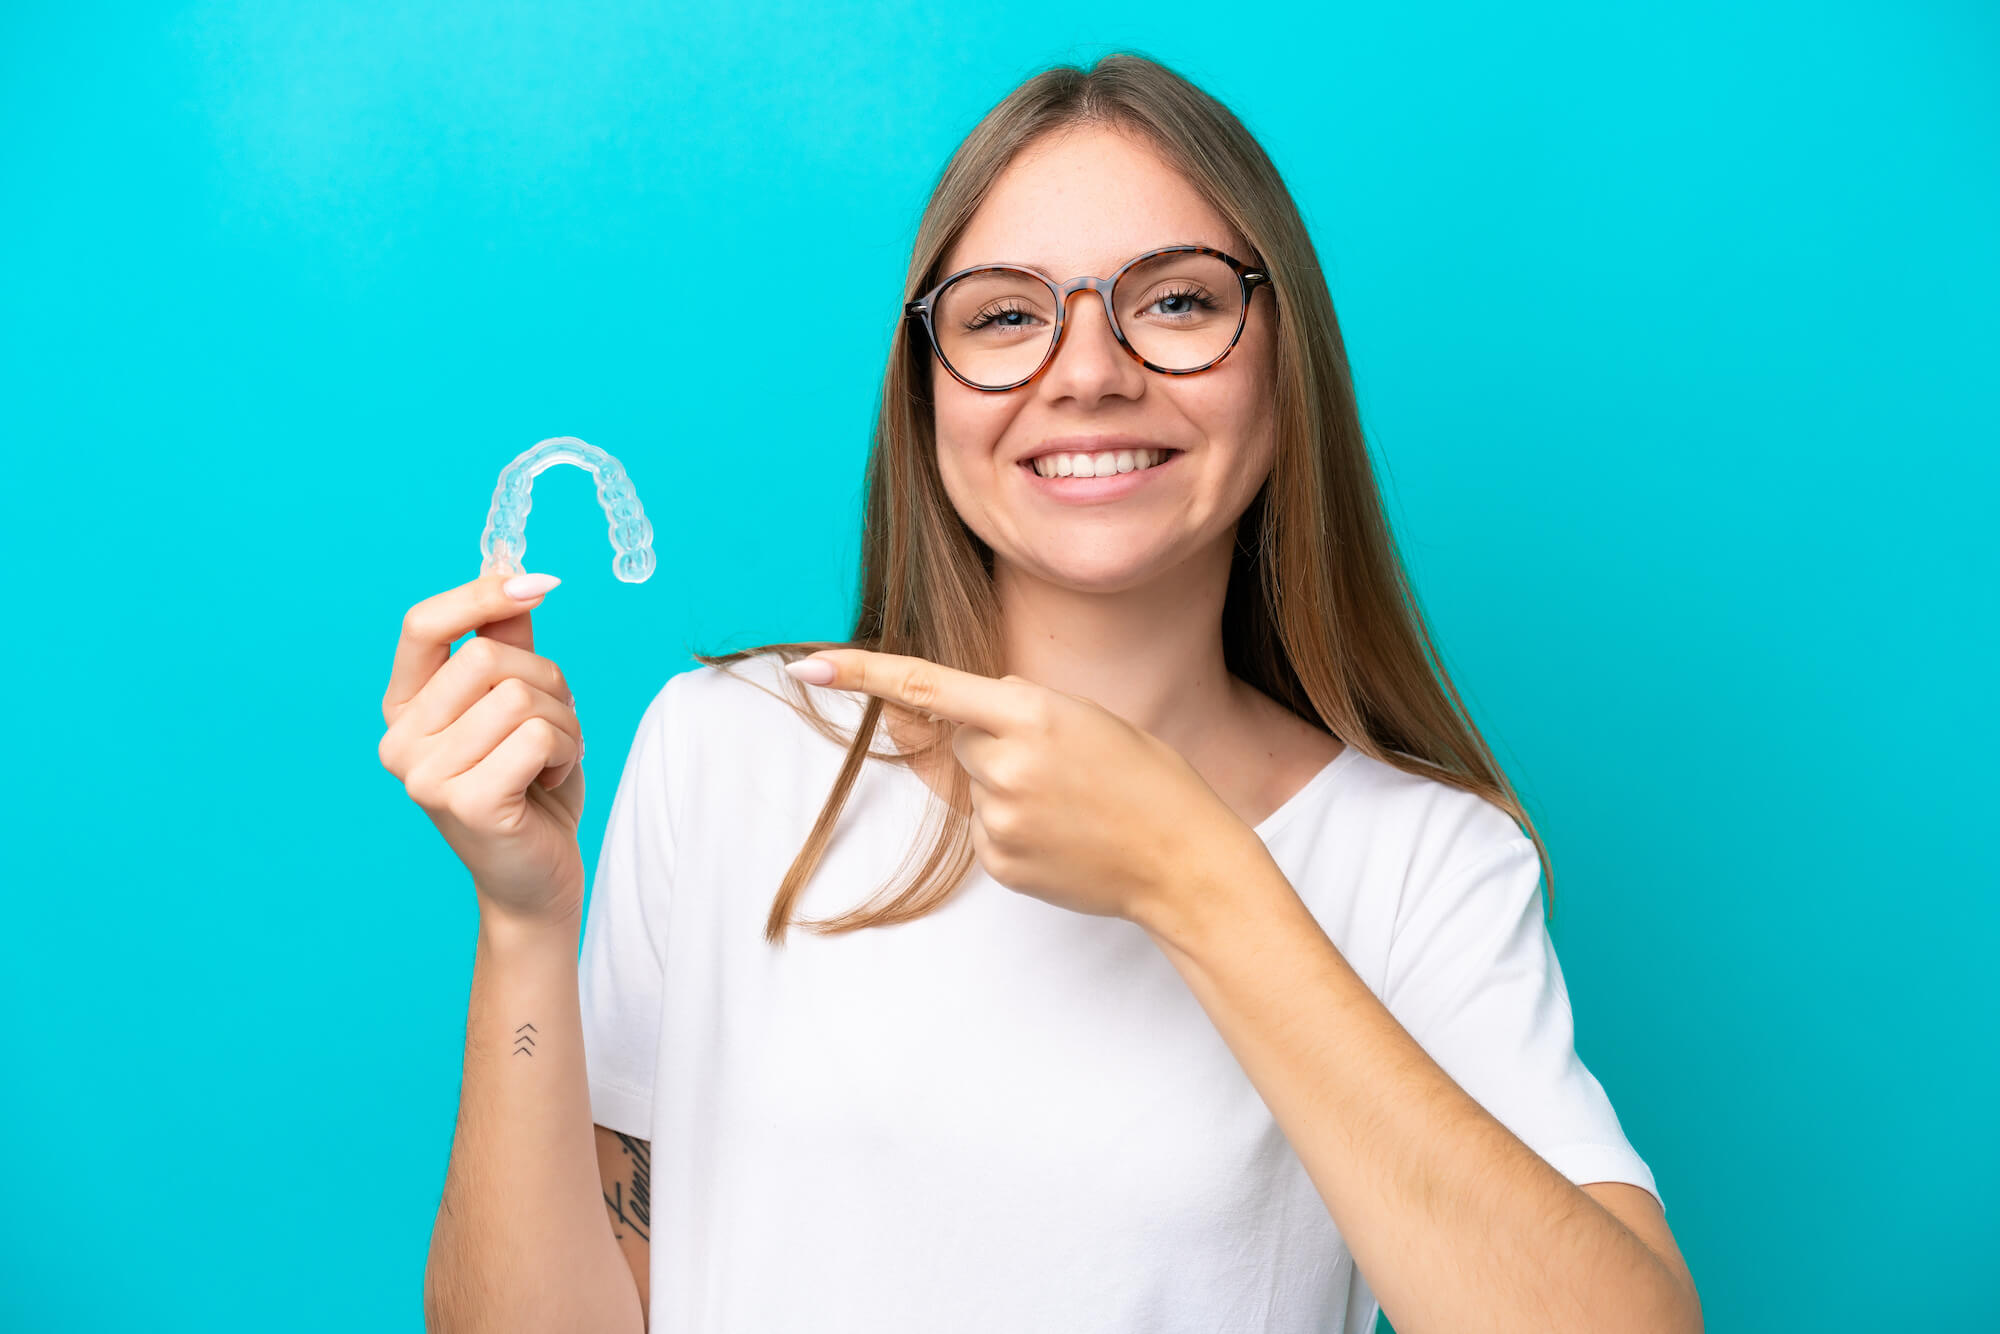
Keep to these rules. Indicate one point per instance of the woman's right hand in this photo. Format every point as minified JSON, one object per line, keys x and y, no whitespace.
{"x":486,"y":740}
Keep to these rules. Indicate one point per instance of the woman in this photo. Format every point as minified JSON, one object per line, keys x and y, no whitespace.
{"x":1220,"y":997}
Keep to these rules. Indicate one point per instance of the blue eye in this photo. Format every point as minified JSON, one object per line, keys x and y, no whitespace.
{"x":1195,"y":294}
{"x":986,"y":317}
{"x":1010,"y":316}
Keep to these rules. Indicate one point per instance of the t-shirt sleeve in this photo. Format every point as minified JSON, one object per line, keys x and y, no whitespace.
{"x":1473,"y":977}
{"x":619,"y":974}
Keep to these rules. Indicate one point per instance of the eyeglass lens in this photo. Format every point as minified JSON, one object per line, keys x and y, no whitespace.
{"x":1180,"y":311}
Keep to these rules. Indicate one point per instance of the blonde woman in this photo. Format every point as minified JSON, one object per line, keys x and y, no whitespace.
{"x":1178,"y":964}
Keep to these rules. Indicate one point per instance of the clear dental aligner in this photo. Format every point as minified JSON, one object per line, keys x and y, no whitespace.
{"x":504,"y":544}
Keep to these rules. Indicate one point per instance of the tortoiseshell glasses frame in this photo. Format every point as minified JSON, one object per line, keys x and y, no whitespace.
{"x":1247,"y":277}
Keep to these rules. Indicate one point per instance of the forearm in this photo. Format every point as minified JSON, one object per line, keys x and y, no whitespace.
{"x":1457,"y":1224}
{"x":522,"y":1240}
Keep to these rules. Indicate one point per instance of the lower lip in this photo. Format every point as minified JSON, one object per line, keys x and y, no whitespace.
{"x":1092,"y":490}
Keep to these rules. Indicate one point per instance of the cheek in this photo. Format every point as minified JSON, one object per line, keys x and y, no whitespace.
{"x":1258,"y":351}
{"x":1233,"y":402}
{"x":969,"y":424}
{"x":1253,"y":385}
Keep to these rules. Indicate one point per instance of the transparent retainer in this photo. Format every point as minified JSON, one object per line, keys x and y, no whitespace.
{"x":504,"y":544}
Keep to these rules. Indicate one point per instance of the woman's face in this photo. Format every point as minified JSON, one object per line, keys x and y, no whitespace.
{"x":1084,"y":204}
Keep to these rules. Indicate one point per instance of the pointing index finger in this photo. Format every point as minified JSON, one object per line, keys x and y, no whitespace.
{"x":919,"y":683}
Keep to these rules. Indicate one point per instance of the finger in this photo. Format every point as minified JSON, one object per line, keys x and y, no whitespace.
{"x":925,"y":686}
{"x":568,"y":793}
{"x":433,"y":625}
{"x":494,"y":717}
{"x":479,"y":666}
{"x":504,"y":774}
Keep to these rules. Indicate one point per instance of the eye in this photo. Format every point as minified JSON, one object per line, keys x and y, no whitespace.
{"x":999,"y":314}
{"x":1194,"y":294}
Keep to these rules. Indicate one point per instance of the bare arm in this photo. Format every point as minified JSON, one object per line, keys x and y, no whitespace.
{"x":522,"y":1240}
{"x":625,"y":1169}
{"x":1457,"y":1223}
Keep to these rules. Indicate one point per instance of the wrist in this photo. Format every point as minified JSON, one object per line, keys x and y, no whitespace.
{"x":505,"y":931}
{"x":1234,"y":877}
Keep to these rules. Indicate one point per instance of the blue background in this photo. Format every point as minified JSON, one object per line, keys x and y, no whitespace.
{"x":1674,"y":331}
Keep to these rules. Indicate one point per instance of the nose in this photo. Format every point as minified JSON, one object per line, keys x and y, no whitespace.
{"x":1088,"y":343}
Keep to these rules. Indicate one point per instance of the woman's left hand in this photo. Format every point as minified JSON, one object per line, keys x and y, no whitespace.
{"x":1070,"y":803}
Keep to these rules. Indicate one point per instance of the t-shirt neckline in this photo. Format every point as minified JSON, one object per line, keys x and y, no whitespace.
{"x":1271,"y":823}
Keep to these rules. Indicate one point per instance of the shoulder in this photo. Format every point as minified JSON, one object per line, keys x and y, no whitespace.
{"x":749,"y":706}
{"x":1431,"y":830}
{"x":731,"y":687}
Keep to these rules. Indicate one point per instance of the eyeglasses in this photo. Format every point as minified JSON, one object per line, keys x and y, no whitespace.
{"x":997,"y":326}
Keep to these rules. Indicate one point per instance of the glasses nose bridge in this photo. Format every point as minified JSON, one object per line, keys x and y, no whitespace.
{"x":1085,"y":283}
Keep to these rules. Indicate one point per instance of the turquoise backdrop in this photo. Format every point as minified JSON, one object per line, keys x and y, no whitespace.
{"x":1674,"y":332}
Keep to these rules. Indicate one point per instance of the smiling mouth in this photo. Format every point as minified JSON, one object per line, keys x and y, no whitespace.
{"x":1083,"y":465}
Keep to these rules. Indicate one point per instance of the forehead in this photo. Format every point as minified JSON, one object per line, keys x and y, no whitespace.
{"x":1085,"y":201}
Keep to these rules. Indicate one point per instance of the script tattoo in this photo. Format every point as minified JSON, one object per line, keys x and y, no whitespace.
{"x":523,"y":1044}
{"x":633,"y":1205}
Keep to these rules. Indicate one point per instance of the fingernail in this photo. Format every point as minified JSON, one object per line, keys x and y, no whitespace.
{"x":813,"y":671}
{"x":528,"y":587}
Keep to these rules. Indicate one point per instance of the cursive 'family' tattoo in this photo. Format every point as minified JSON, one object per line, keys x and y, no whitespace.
{"x":633,"y":1205}
{"x":529,"y":1049}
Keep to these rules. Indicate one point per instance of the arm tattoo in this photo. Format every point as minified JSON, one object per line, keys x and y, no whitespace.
{"x":632,"y":1204}
{"x":523,"y":1044}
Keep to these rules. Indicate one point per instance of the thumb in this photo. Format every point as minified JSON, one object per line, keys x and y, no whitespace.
{"x":510,"y":619}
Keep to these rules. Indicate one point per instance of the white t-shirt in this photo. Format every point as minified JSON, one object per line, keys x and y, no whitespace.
{"x":1006,"y":1116}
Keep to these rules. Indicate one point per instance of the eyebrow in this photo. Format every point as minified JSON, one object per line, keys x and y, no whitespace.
{"x":1025,"y":264}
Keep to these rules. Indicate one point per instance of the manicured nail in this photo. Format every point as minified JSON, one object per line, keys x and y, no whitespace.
{"x":813,"y":671}
{"x":528,"y":587}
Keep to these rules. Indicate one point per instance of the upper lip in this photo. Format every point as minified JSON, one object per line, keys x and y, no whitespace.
{"x":1090,"y":444}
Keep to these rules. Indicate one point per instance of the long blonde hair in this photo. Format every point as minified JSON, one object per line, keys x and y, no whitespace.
{"x":1319,"y":613}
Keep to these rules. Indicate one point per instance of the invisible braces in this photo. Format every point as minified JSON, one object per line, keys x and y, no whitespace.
{"x":504,"y":544}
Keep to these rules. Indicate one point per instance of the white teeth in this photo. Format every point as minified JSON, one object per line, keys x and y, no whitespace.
{"x":1097,"y":465}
